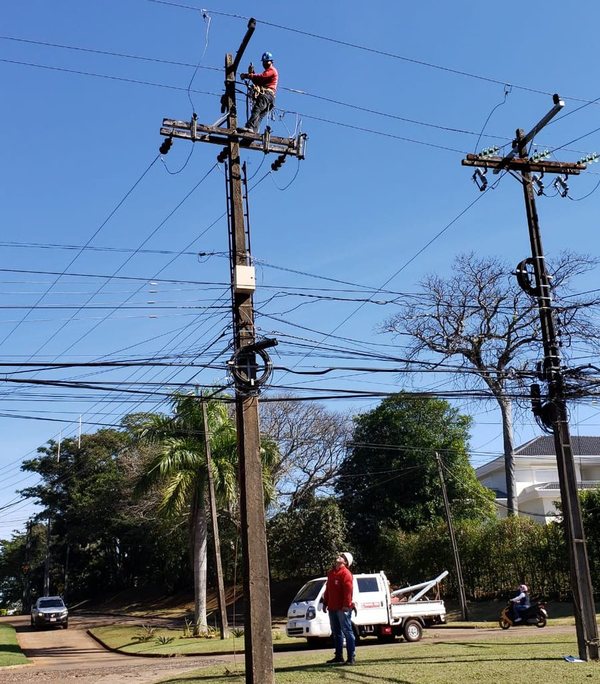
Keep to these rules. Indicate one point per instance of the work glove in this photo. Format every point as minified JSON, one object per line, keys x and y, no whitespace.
{"x":244,"y":76}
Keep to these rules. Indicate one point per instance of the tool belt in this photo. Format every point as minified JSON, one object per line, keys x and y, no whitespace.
{"x":259,"y":90}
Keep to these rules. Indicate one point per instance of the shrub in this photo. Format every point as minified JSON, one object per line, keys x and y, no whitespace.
{"x":145,"y":634}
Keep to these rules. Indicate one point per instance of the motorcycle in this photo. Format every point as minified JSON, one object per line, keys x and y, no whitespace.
{"x":536,"y":615}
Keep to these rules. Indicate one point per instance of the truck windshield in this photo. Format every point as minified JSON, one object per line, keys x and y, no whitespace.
{"x":309,"y":591}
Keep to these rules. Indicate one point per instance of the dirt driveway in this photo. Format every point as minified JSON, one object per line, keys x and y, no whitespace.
{"x":60,"y":655}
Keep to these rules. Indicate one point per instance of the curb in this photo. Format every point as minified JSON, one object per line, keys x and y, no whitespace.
{"x":211,"y":654}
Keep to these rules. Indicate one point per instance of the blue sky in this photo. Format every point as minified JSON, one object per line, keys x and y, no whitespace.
{"x":80,"y":134}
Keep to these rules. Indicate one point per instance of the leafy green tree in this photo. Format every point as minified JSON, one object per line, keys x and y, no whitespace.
{"x":79,"y":492}
{"x":590,"y":512}
{"x":304,"y":541}
{"x":389,"y":479}
{"x":496,"y":556}
{"x":21,"y":566}
{"x":99,"y":540}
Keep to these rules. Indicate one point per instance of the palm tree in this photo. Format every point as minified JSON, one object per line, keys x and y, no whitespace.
{"x":178,"y":470}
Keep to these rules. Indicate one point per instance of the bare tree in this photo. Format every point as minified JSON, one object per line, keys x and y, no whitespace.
{"x":482,"y":319}
{"x":311,"y":443}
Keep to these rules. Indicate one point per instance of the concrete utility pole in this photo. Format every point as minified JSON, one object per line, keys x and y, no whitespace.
{"x":47,"y":559}
{"x":248,"y":375}
{"x":26,"y":568}
{"x":532,"y":276}
{"x":462,"y":598}
{"x":215,"y":527}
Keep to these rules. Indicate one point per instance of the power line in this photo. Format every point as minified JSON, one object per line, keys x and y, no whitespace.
{"x":406,"y":263}
{"x":147,"y":239}
{"x":108,"y":76}
{"x":371,"y":50}
{"x":74,"y":259}
{"x":108,"y":53}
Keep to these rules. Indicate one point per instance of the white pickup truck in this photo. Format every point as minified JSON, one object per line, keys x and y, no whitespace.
{"x":379,"y":612}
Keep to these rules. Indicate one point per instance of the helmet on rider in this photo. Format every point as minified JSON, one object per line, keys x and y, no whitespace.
{"x":523,"y":587}
{"x":267,"y":57}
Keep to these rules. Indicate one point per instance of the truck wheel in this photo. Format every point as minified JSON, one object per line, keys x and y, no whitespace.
{"x":65,"y":625}
{"x":412,"y":631}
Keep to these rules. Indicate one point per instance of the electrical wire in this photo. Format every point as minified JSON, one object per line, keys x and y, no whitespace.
{"x":578,"y":199}
{"x":365,"y":48}
{"x":206,"y":17}
{"x":108,"y":76}
{"x":297,"y":91}
{"x":384,"y":134}
{"x":74,"y":259}
{"x":111,"y":53}
{"x":507,"y":90}
{"x":409,"y":261}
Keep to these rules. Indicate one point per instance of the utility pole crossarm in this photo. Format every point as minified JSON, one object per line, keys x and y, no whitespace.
{"x":197,"y":132}
{"x":524,"y":165}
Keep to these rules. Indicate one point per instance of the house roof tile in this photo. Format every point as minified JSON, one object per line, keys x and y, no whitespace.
{"x":544,"y":446}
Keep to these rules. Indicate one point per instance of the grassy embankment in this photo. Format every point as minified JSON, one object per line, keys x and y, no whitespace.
{"x":10,"y":653}
{"x":122,"y":638}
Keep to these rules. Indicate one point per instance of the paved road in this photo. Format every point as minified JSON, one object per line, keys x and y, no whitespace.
{"x":63,"y":655}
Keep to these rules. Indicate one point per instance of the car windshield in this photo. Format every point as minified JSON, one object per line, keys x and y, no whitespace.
{"x":51,"y":603}
{"x":309,"y":591}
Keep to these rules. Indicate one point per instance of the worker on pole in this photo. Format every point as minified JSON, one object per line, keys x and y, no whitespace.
{"x":263,"y":92}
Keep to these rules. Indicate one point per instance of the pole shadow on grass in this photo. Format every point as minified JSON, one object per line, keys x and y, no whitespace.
{"x":503,"y":644}
{"x":350,"y":674}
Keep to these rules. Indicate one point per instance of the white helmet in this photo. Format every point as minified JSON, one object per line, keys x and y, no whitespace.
{"x":348,"y":557}
{"x":522,"y":587}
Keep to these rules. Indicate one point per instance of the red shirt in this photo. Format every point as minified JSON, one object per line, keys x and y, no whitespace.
{"x":268,"y":78}
{"x":338,"y":590}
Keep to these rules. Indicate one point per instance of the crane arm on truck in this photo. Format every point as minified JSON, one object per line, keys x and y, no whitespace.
{"x":421,"y":588}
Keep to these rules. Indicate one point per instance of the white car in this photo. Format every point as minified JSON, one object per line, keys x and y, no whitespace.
{"x":49,"y":611}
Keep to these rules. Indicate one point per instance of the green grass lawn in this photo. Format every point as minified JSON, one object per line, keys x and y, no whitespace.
{"x":537,"y":657}
{"x":10,"y":653}
{"x":121,"y":637}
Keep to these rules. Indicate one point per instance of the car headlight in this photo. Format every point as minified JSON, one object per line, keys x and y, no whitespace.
{"x":311,"y":613}
{"x":40,"y":614}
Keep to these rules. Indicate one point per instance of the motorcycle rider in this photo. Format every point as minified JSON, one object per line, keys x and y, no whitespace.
{"x":520,"y":603}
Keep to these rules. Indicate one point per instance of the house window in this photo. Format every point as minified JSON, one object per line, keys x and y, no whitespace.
{"x":545,"y":475}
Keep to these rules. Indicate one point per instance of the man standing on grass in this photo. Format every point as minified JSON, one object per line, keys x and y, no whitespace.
{"x":337,"y":599}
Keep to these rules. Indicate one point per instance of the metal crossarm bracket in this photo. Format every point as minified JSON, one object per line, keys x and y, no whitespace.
{"x":525,"y":165}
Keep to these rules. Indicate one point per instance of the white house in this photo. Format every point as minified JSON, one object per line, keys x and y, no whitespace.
{"x":536,"y":475}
